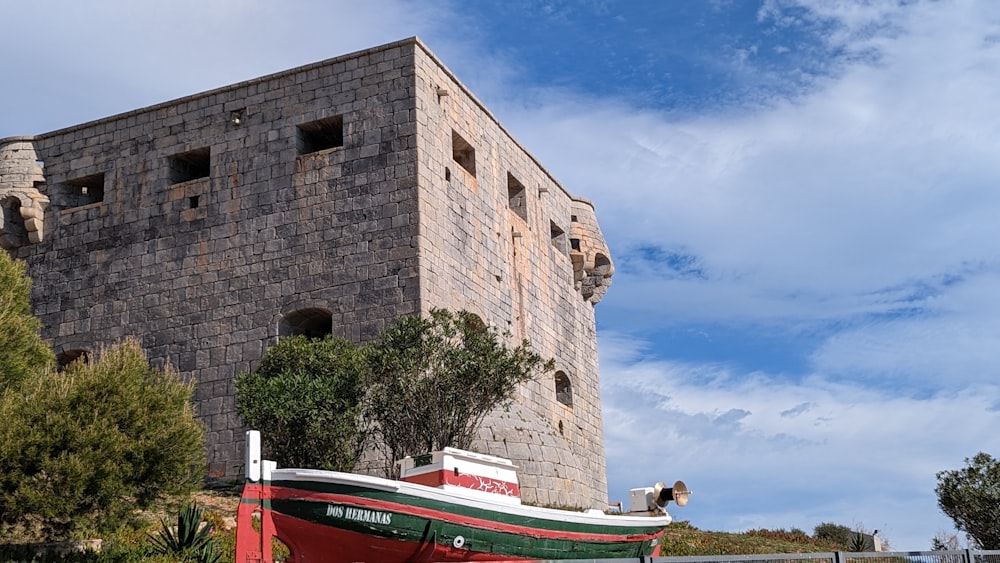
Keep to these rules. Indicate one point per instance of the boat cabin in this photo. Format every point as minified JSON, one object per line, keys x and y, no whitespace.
{"x":471,"y":473}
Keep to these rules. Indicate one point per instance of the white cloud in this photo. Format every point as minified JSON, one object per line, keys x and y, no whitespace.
{"x":84,"y":60}
{"x":866,"y":206}
{"x":881,"y":176}
{"x":762,"y":451}
{"x":952,"y":345}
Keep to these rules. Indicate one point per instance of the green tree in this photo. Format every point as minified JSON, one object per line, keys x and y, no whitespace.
{"x":945,"y":541}
{"x":971,"y":498}
{"x":80,"y":450}
{"x":307,"y":400}
{"x":434,"y":379}
{"x":23,"y":353}
{"x":834,"y":533}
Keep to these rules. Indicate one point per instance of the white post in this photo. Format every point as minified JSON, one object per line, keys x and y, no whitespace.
{"x":253,"y":461}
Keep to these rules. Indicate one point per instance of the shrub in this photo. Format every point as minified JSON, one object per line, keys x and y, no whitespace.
{"x":833,"y":533}
{"x":82,"y":449}
{"x":306,"y":399}
{"x":23,"y":353}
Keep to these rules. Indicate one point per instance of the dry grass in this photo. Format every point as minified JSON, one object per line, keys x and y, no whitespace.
{"x":224,"y":503}
{"x":683,"y":539}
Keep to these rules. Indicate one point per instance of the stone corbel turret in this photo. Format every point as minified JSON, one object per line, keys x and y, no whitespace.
{"x":22,"y":204}
{"x":592,"y":266}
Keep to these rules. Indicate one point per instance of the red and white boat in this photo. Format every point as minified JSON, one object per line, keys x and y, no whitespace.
{"x":451,"y":505}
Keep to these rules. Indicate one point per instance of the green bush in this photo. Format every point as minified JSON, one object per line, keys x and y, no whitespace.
{"x":22,"y":350}
{"x":425,"y":384}
{"x":306,"y":399}
{"x":81,"y":450}
{"x":125,"y":545}
{"x":682,"y":539}
{"x":833,"y":533}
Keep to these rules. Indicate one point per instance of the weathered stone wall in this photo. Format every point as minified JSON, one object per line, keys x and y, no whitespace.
{"x":351,"y":191}
{"x":490,"y":244}
{"x":203,"y":271}
{"x":22,"y":205}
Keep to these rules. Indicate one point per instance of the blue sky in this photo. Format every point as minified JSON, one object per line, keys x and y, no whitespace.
{"x":800,"y":198}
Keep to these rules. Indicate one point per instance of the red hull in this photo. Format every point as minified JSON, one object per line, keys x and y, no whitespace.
{"x":342,"y":526}
{"x":335,"y":545}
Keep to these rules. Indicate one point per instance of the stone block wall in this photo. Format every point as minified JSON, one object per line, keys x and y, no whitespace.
{"x":22,"y":205}
{"x":197,"y":225}
{"x":334,"y":197}
{"x":497,"y":238}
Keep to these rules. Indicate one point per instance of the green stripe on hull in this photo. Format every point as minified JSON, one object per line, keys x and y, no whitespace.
{"x":470,"y":511}
{"x":419,"y":529}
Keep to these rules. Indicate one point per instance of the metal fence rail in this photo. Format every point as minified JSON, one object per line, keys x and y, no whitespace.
{"x":961,"y":556}
{"x":829,"y":557}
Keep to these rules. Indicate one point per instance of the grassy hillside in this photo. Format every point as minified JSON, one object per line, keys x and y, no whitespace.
{"x":683,"y":539}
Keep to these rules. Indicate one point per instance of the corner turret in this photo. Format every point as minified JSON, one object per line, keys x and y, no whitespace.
{"x":592,"y":266}
{"x":22,"y":203}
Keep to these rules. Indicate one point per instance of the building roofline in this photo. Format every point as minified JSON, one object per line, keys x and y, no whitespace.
{"x":281,"y":74}
{"x":18,"y":139}
{"x":226,"y":88}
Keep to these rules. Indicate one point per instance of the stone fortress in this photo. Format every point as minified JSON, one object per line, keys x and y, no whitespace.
{"x":330,"y":198}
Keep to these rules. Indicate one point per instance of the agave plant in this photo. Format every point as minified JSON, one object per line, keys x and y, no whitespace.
{"x":858,"y":542}
{"x":188,"y":540}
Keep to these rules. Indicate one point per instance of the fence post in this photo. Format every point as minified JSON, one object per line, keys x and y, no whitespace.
{"x":969,"y":556}
{"x":838,"y":557}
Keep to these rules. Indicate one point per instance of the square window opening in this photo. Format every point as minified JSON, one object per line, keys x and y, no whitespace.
{"x":84,"y":191}
{"x":320,"y":135}
{"x":191,"y":165}
{"x":558,"y":237}
{"x":193,"y":202}
{"x":516,"y":197}
{"x":463,"y":153}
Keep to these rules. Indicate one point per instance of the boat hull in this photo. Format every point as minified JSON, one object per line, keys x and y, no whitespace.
{"x":333,"y":516}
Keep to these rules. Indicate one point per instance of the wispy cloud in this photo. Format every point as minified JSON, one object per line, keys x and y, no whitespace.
{"x":881,"y":177}
{"x":948,"y":343}
{"x":762,"y":451}
{"x":86,"y":60}
{"x":858,"y":210}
